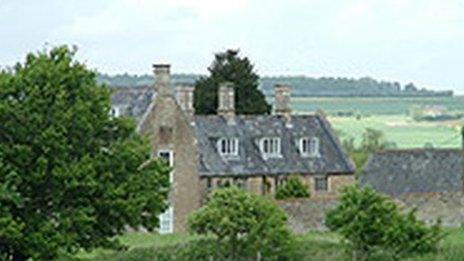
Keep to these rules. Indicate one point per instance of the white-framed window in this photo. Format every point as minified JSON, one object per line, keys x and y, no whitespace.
{"x":228,"y":146}
{"x":321,"y":184}
{"x":168,"y":157}
{"x":166,"y":221}
{"x":309,"y":147}
{"x":270,"y":147}
{"x":115,"y":111}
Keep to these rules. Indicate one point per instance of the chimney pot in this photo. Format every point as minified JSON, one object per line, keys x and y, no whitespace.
{"x":162,"y":79}
{"x":185,"y":98}
{"x":226,"y":99}
{"x":282,"y":99}
{"x":282,"y":102}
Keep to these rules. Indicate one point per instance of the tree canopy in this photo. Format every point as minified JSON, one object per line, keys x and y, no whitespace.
{"x":372,"y":141}
{"x":371,"y":222}
{"x":301,"y":85}
{"x":71,"y":176}
{"x":229,"y":67}
{"x":246,"y":224}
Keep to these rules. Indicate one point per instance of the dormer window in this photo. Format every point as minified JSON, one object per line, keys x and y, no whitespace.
{"x":309,"y":147}
{"x":115,"y":111}
{"x":270,"y":147}
{"x":228,"y":146}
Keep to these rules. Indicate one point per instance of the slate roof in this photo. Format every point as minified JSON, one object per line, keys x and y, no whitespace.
{"x":398,"y":172}
{"x":132,"y":101}
{"x":136,"y":101}
{"x":250,"y":129}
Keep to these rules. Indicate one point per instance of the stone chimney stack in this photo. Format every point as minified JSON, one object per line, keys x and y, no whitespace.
{"x":282,"y":100}
{"x":226,"y":99}
{"x":185,"y":98}
{"x":162,"y":79}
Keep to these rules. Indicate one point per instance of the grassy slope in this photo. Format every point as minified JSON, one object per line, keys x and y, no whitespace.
{"x":313,"y":246}
{"x":400,"y":129}
{"x":373,"y":105}
{"x":389,"y":115}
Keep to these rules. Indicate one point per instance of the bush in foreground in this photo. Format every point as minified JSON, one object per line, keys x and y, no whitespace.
{"x":293,"y":188}
{"x":370,"y":222}
{"x":244,"y":226}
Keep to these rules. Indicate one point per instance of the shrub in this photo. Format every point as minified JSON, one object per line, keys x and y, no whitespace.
{"x":294,"y":188}
{"x":244,"y":226}
{"x":370,"y":223}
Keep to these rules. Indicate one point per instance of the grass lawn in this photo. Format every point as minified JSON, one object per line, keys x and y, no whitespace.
{"x":313,"y":246}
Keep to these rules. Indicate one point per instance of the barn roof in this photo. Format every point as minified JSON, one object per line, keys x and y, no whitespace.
{"x":397,"y":172}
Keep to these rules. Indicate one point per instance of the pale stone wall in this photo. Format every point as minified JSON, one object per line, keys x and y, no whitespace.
{"x":169,"y":129}
{"x":448,"y":207}
{"x":255,"y":184}
{"x":306,"y":215}
{"x":309,"y":214}
{"x":335,"y":183}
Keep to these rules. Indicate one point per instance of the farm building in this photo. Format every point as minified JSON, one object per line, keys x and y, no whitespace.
{"x":415,"y":171}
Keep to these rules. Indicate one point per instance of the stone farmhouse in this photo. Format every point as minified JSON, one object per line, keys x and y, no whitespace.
{"x":255,"y":152}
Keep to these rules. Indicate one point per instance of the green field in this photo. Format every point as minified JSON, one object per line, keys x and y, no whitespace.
{"x":391,"y":116}
{"x":402,"y":130}
{"x":312,"y":246}
{"x":374,"y":105}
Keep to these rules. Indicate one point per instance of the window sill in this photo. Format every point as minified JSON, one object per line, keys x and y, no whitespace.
{"x":314,"y":156}
{"x":230,"y":157}
{"x":272,"y":156}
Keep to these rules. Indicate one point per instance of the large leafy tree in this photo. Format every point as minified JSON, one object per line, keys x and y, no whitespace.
{"x":229,"y":67}
{"x":71,"y":176}
{"x":245,"y":225}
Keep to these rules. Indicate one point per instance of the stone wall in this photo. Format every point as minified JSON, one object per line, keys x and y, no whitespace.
{"x":309,"y":214}
{"x":430,"y":207}
{"x":306,"y":215}
{"x":334,"y":182}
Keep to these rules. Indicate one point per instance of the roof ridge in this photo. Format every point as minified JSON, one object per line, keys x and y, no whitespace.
{"x":259,"y":115}
{"x":411,"y":150}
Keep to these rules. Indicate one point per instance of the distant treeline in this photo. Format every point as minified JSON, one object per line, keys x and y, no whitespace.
{"x":301,"y":85}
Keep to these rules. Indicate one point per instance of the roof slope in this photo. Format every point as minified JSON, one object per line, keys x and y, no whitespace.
{"x":397,"y":172}
{"x":250,"y":129}
{"x":132,"y":101}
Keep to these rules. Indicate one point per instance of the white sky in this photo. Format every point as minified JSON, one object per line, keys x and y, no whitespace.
{"x":399,"y":40}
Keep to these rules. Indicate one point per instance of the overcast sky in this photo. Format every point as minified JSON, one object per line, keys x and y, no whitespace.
{"x":411,"y":40}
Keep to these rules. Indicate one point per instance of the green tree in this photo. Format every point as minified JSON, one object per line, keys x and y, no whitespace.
{"x":229,"y":67}
{"x":71,"y":176}
{"x":370,"y":222}
{"x":372,"y":141}
{"x":247,"y":225}
{"x":293,"y":188}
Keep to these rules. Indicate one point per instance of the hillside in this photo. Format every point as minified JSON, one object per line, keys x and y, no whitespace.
{"x":301,"y":85}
